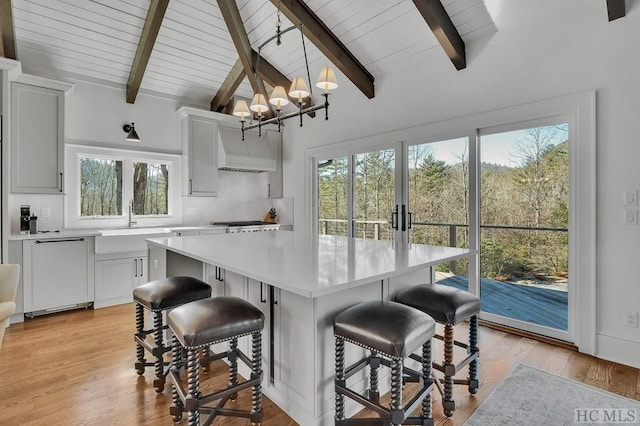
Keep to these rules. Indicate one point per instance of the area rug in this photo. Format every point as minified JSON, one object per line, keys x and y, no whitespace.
{"x":529,"y":396}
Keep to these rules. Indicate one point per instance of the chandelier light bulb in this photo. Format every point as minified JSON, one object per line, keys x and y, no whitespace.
{"x":327,"y":79}
{"x":241,"y":110}
{"x":278,"y":97}
{"x":298,"y":89}
{"x":259,"y":104}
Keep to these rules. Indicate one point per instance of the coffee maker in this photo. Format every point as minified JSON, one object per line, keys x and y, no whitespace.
{"x":25,"y":213}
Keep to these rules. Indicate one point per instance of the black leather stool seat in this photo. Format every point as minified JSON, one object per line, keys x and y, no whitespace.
{"x":212,"y":320}
{"x":169,"y":292}
{"x":387,"y":327}
{"x":447,"y":305}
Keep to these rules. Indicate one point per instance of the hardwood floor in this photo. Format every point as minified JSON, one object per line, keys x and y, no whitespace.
{"x":76,"y":368}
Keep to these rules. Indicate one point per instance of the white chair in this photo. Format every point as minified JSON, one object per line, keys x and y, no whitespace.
{"x":9,"y":275}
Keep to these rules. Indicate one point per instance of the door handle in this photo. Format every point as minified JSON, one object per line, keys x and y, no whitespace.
{"x":394,"y":218}
{"x":404,"y":218}
{"x":262,"y":299}
{"x":190,"y":186}
{"x":136,"y":263}
{"x":61,"y":188}
{"x":410,"y":220}
{"x":141,"y":268}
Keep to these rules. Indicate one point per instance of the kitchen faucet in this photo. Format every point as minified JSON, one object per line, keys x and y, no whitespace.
{"x":131,"y":222}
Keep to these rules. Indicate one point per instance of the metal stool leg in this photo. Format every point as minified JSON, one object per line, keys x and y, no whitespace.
{"x":140,"y":360}
{"x":397,"y":414}
{"x":474,"y":383}
{"x":448,"y":403}
{"x":339,"y":379}
{"x":193,"y":387}
{"x":158,"y":383}
{"x":256,"y":370}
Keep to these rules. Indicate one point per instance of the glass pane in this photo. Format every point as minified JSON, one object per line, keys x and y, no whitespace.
{"x":525,"y":214}
{"x":438,"y":189}
{"x":332,"y":196}
{"x":150,"y":189}
{"x":100,"y":187}
{"x":374,"y":194}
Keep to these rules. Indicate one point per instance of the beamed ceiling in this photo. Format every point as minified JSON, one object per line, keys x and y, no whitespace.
{"x":204,"y":51}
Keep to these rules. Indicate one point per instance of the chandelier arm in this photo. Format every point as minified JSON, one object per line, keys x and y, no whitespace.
{"x":306,"y":62}
{"x":273,"y":37}
{"x":286,"y":116}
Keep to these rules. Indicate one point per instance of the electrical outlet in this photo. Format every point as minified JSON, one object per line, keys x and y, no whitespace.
{"x":192,"y":211}
{"x":156,"y":264}
{"x":631,"y":319}
{"x":46,"y":212}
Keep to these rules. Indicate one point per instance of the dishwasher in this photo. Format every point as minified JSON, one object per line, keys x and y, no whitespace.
{"x":58,"y":274}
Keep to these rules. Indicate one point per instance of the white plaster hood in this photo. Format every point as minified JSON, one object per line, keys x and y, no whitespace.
{"x":250,"y":155}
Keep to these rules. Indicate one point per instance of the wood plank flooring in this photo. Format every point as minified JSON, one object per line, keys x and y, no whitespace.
{"x":76,"y":368}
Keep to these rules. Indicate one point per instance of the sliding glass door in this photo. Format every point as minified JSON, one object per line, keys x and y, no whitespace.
{"x":524,"y":254}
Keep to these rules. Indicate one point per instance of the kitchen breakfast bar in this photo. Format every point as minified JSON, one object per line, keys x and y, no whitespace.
{"x":300,"y":283}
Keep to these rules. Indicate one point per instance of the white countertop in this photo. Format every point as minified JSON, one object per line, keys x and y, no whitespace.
{"x":309,"y":266}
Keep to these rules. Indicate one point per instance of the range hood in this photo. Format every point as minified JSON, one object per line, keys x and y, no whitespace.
{"x":250,"y":155}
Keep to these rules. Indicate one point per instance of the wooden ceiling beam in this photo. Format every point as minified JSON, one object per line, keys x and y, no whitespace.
{"x":229,"y":87}
{"x":616,"y":9}
{"x":232,"y":18}
{"x":7,"y":32}
{"x":440,"y":23}
{"x":328,"y":43}
{"x":152,"y":24}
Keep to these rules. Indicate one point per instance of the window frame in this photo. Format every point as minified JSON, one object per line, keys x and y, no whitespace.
{"x":72,"y":217}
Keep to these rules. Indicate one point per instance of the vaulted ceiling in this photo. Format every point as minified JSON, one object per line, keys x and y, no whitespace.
{"x":199,"y":51}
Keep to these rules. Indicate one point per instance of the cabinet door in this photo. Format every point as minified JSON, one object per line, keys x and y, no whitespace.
{"x":56,"y":273}
{"x":201,"y":145}
{"x":274,"y":179}
{"x":258,"y":295}
{"x":37,"y":139}
{"x":115,"y":281}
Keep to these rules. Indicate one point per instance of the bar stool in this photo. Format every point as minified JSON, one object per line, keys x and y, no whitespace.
{"x":449,"y":306}
{"x":157,"y":297}
{"x":390,"y":331}
{"x":200,"y":324}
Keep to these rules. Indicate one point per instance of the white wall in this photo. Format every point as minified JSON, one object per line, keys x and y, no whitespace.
{"x":94,"y":115}
{"x":520,"y":64}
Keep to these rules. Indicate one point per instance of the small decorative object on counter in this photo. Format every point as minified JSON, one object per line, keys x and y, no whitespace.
{"x":33,"y":225}
{"x":271,"y":216}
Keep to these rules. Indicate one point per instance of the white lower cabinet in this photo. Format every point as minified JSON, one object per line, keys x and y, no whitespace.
{"x":57,"y":273}
{"x":115,"y":279}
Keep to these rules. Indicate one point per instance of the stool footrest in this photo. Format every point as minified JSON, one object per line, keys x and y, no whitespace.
{"x":374,"y":405}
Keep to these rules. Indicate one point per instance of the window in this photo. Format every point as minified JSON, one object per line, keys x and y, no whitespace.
{"x":106,"y":185}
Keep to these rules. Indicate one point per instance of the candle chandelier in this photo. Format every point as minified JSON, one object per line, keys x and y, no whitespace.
{"x":298,"y":91}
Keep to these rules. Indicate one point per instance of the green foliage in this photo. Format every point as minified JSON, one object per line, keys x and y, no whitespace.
{"x":531,"y":193}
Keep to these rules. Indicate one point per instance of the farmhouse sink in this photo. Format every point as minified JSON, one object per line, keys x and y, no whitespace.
{"x":133,"y":231}
{"x":126,"y":239}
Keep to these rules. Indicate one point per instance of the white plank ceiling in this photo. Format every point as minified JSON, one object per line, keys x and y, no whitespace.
{"x":96,"y":40}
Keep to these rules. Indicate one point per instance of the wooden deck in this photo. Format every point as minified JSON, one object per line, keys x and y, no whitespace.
{"x":540,"y":306}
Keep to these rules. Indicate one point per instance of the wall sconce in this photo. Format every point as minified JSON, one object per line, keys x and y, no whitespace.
{"x":132,"y":135}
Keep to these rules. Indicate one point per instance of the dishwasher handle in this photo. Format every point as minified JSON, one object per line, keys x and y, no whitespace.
{"x":66,"y":240}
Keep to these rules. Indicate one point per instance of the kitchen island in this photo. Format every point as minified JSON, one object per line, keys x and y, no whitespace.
{"x":300,"y":282}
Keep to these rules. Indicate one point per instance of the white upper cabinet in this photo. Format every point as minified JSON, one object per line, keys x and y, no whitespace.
{"x":37,"y":139}
{"x":199,"y":152}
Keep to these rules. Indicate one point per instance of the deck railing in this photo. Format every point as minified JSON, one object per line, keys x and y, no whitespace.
{"x":380,"y":227}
